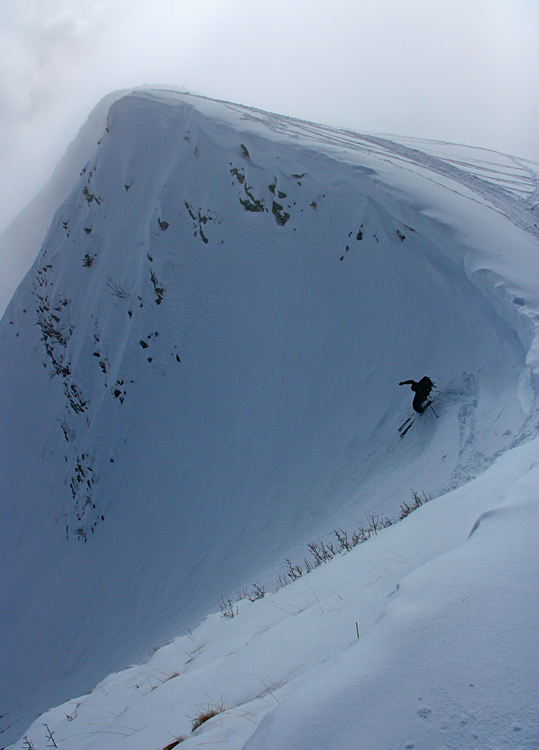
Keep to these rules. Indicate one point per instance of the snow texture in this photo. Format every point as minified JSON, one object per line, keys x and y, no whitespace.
{"x":199,"y":377}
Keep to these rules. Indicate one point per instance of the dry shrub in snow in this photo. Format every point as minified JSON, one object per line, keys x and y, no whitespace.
{"x":209,"y":712}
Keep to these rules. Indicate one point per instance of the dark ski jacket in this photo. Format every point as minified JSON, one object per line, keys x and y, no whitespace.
{"x":421,"y":388}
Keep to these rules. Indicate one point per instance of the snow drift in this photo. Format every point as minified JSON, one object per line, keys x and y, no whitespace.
{"x":200,"y":372}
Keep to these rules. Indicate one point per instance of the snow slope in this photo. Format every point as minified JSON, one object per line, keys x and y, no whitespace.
{"x":422,"y":637}
{"x":200,"y":375}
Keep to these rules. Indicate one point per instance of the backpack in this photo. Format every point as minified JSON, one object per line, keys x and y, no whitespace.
{"x":425,"y":386}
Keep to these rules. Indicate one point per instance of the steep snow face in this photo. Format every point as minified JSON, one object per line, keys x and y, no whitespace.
{"x":201,"y":370}
{"x":22,"y":239}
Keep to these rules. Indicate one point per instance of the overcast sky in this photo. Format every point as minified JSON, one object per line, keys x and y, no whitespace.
{"x":457,"y":70}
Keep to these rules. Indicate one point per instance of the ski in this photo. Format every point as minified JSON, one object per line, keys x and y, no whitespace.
{"x":404,"y":424}
{"x":403,"y":433}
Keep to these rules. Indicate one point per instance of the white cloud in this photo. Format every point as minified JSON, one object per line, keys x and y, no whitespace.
{"x":41,"y":41}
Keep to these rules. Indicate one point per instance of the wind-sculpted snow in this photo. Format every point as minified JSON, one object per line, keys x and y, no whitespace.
{"x":200,"y":372}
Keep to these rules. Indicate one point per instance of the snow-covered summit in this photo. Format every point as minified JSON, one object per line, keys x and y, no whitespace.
{"x":200,"y":372}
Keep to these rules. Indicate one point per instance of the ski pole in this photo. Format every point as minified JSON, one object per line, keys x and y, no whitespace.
{"x":432,"y":407}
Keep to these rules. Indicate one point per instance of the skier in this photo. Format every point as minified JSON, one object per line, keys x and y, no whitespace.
{"x":422,"y":388}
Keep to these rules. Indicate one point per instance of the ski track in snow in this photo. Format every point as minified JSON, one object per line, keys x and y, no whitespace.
{"x":200,"y":375}
{"x":491,"y":184}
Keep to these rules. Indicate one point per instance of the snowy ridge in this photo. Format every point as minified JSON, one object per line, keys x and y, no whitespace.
{"x":509,"y":172}
{"x":201,"y":371}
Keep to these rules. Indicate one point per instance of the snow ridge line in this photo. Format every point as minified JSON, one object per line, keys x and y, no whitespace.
{"x":322,"y":552}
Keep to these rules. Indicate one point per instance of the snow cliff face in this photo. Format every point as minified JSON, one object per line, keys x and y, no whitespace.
{"x":200,"y":372}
